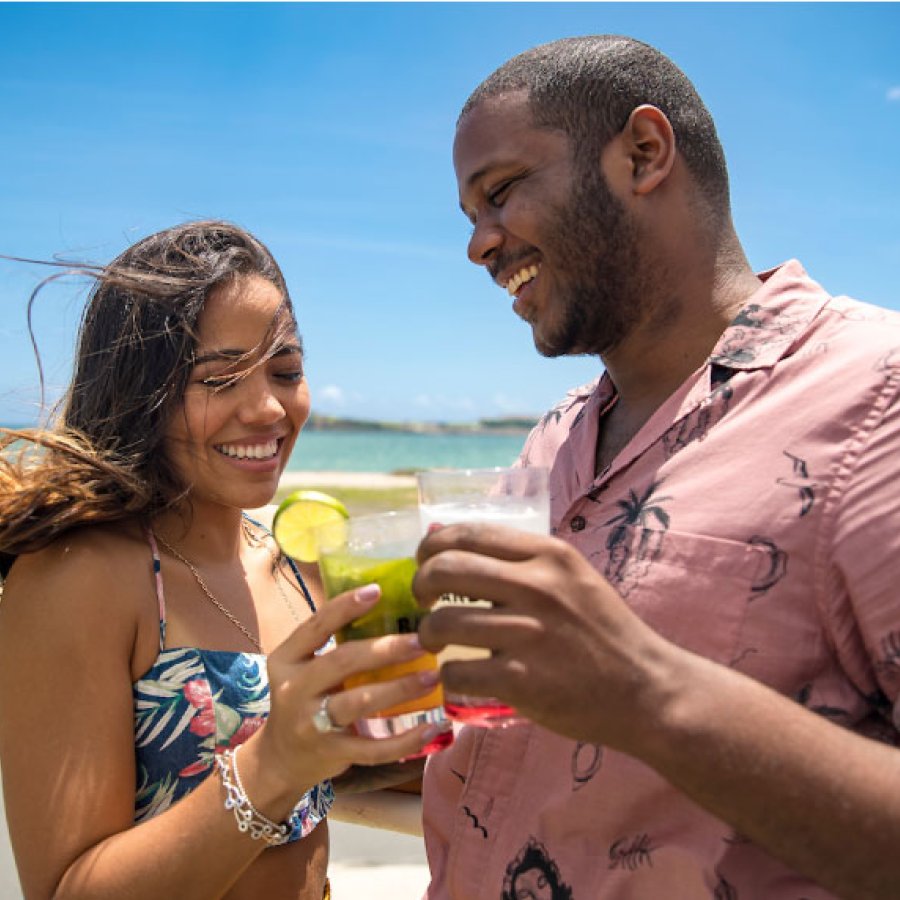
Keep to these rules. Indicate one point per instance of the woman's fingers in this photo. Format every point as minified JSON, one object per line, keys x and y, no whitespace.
{"x":377,"y":751}
{"x":330,"y":617}
{"x":366,"y":700}
{"x":329,"y":671}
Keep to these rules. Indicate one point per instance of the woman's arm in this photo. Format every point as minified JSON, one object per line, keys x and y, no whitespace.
{"x":67,"y":737}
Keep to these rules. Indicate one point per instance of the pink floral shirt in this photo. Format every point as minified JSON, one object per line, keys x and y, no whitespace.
{"x":755,"y":519}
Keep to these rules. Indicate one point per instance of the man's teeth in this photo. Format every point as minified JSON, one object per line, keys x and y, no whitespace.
{"x":254,"y":451}
{"x":523,"y":276}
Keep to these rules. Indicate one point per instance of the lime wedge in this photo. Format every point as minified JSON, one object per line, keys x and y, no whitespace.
{"x":297,"y":517}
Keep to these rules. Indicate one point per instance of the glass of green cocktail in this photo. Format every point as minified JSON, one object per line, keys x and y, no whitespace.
{"x":380,"y":549}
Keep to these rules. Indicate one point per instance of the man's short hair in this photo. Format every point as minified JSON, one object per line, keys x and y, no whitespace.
{"x":588,"y":86}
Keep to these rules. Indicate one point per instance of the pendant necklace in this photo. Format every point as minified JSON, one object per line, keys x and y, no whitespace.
{"x":251,"y":539}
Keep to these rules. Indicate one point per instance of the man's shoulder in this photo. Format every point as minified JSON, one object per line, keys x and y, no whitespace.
{"x":570,"y":406}
{"x":853,"y":329}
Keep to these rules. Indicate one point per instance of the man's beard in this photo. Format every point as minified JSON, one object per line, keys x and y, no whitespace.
{"x":594,"y":248}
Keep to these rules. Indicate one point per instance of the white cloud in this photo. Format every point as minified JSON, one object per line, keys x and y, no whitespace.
{"x":441,"y":405}
{"x":332,"y":394}
{"x":893,"y":93}
{"x":507,"y":404}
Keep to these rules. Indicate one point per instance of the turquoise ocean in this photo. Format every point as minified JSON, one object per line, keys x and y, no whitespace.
{"x":390,"y":451}
{"x":398,"y":451}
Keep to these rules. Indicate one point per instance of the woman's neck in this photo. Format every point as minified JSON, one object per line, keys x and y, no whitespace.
{"x":202,"y":531}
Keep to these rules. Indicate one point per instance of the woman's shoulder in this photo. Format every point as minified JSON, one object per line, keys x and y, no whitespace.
{"x":79,"y":573}
{"x":91,"y":551}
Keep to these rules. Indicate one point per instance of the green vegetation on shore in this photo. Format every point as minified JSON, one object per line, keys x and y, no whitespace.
{"x":361,"y":501}
{"x":504,"y":425}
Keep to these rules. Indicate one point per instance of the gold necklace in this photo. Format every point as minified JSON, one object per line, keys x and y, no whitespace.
{"x":221,"y":606}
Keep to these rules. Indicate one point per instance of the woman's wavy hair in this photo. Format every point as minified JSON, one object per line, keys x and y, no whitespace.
{"x":103,"y":459}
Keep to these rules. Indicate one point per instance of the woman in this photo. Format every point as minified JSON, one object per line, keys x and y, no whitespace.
{"x":164,"y":713}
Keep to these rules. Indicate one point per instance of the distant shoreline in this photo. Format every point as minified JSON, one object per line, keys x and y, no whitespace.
{"x":376,"y":480}
{"x":498,"y":426}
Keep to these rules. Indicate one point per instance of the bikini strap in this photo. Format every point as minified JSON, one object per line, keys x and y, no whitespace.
{"x":160,"y":596}
{"x":294,"y":568}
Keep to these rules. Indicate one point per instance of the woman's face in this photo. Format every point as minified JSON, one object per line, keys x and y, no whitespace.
{"x":246,"y":399}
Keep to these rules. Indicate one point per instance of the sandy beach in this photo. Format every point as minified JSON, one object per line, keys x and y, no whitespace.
{"x":380,"y":480}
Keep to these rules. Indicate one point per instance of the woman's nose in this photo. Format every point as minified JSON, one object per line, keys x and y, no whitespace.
{"x":261,"y":403}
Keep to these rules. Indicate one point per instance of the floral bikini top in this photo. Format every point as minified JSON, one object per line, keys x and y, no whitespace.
{"x":194,"y":703}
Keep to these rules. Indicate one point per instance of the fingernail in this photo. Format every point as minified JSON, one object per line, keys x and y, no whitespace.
{"x":412,"y":641}
{"x":430,"y":677}
{"x":434,"y":526}
{"x":367,"y":594}
{"x":438,"y":728}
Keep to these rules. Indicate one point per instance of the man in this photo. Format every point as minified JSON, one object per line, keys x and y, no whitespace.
{"x":710,"y":646}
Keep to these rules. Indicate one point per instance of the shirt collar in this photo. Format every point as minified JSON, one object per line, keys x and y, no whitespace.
{"x":774,"y":316}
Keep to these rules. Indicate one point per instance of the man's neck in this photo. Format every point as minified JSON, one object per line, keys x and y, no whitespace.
{"x":653,"y":362}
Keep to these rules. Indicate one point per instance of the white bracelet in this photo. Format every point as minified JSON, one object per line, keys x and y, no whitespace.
{"x":247,"y":816}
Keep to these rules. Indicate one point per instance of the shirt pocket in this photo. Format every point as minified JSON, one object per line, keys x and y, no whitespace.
{"x":693,"y":590}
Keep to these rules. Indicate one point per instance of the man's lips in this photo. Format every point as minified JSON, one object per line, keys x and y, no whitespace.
{"x":520,"y":278}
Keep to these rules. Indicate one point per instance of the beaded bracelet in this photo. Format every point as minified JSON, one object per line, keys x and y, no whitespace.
{"x":247,"y":816}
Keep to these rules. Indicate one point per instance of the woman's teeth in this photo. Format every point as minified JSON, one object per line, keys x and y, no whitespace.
{"x":523,"y":276}
{"x":254,"y":451}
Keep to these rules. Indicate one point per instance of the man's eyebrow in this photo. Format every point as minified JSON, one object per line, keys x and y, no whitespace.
{"x":474,"y":177}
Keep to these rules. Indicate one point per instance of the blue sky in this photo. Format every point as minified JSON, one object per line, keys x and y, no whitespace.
{"x":326,"y":130}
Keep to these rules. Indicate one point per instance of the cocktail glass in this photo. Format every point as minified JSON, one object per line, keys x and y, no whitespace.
{"x":380,"y":549}
{"x":516,"y":497}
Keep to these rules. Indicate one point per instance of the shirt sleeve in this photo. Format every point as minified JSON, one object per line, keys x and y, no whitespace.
{"x":862,"y":564}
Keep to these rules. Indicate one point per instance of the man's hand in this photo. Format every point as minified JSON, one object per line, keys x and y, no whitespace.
{"x":566,"y":650}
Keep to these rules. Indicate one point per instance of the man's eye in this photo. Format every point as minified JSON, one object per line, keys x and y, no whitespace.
{"x":497,"y":195}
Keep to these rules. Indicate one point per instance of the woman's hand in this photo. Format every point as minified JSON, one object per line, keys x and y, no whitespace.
{"x":289,"y":747}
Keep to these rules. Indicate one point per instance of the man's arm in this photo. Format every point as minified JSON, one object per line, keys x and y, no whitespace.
{"x":820,"y":798}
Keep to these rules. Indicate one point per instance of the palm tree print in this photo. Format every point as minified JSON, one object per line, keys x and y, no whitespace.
{"x":628,"y":557}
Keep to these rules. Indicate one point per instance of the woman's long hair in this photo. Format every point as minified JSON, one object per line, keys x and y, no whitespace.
{"x":103,"y":460}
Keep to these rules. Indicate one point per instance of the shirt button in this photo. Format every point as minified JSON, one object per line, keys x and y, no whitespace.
{"x":577,"y":523}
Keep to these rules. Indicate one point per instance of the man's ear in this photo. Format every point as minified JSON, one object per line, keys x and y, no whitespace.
{"x":650,"y":144}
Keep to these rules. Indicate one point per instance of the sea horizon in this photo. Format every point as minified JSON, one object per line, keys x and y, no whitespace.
{"x":397,"y":452}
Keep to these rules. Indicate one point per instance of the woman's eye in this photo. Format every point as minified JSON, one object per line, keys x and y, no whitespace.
{"x":291,"y":377}
{"x":219,"y":382}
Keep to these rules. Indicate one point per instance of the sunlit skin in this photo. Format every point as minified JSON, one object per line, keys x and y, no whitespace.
{"x":623,"y":686}
{"x":244,"y":392}
{"x":91,"y":597}
{"x":530,"y":206}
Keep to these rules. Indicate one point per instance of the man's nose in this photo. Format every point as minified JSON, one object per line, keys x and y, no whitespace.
{"x":485,"y":241}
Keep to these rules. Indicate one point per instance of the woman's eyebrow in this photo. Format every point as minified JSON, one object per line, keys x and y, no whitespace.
{"x":219,"y":355}
{"x":232,"y":353}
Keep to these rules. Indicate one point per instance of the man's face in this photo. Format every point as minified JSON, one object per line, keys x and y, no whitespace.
{"x":550,"y":232}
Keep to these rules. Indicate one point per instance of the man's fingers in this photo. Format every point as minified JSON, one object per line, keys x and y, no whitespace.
{"x":497,"y":541}
{"x":467,"y":574}
{"x":491,"y":677}
{"x":492,"y":629}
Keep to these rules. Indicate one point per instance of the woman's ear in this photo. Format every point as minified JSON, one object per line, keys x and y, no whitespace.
{"x":650,"y":144}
